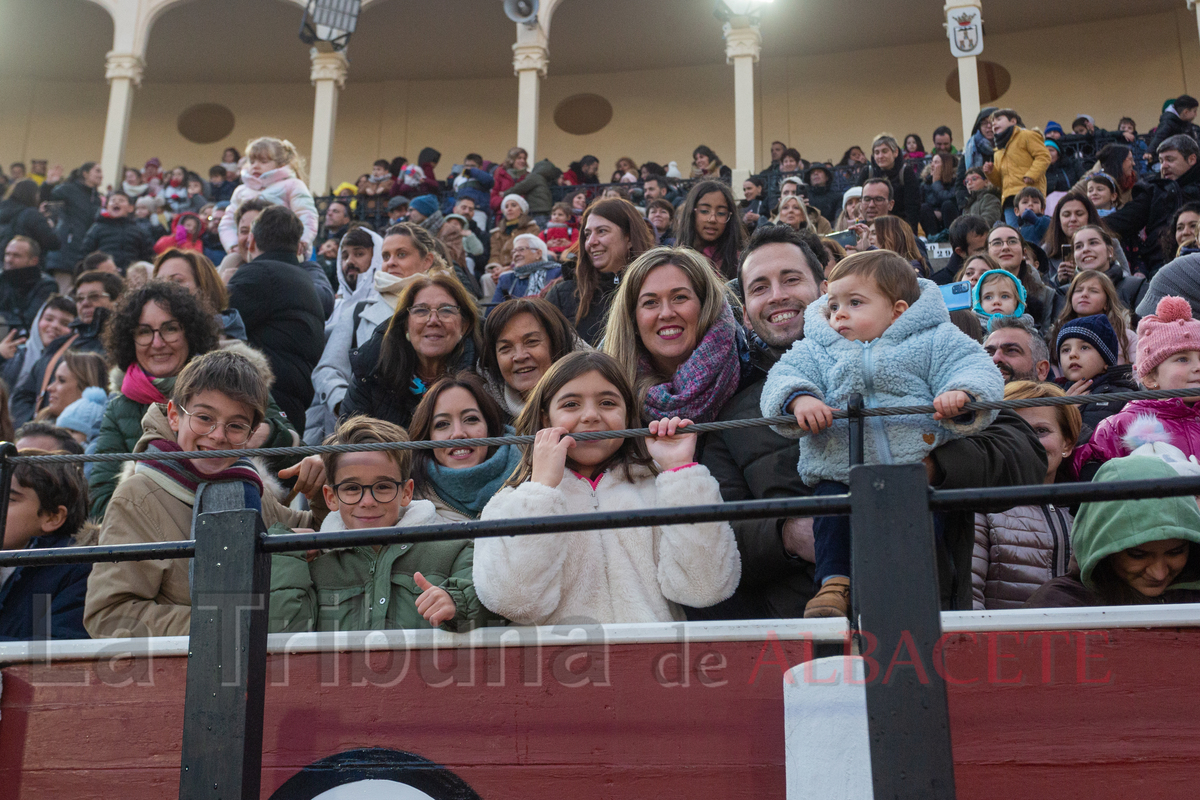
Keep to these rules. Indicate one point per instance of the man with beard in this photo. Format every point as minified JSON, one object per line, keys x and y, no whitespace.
{"x":358,"y":248}
{"x":1017,"y":350}
{"x":779,"y":278}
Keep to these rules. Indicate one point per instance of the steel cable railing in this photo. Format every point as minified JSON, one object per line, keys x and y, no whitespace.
{"x":630,"y":433}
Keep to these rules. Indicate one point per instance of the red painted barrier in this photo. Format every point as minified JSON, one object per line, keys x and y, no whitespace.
{"x":1096,"y":714}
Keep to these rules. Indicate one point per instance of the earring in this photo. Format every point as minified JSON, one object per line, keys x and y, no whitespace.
{"x":407,"y":338}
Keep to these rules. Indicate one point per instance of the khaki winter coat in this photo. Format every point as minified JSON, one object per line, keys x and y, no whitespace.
{"x":153,"y":598}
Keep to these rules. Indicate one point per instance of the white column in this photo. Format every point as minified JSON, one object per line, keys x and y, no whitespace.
{"x":531,"y":57}
{"x":964,"y":27}
{"x":743,"y":44}
{"x":328,"y":75}
{"x":1194,"y":6}
{"x":124,"y":74}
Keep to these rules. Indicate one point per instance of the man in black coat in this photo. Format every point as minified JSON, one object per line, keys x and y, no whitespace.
{"x":23,"y":285}
{"x":779,"y":278}
{"x":281,"y":309}
{"x":887,"y":162}
{"x":117,"y":233}
{"x":1155,"y":200}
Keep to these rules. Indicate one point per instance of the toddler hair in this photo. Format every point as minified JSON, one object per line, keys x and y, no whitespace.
{"x":893,"y":275}
{"x":281,"y":151}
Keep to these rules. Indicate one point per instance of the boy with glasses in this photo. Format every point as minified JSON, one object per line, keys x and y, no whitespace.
{"x":219,"y":398}
{"x":412,"y":585}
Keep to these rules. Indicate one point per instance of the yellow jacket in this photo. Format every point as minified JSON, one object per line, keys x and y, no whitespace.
{"x":1024,"y":156}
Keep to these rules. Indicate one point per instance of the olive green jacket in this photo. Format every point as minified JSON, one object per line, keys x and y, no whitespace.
{"x":359,"y":588}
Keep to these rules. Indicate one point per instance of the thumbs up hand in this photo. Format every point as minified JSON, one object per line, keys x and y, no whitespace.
{"x":434,"y":603}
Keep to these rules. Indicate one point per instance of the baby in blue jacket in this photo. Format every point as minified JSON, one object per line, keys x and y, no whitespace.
{"x":882,"y":332}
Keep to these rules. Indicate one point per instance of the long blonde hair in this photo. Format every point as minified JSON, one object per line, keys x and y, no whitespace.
{"x":792,"y":198}
{"x":621,"y":338}
{"x":281,"y":151}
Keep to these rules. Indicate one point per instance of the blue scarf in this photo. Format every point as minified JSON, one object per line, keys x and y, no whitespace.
{"x":469,"y":490}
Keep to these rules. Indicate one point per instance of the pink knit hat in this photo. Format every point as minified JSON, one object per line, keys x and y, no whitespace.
{"x":1169,"y":330}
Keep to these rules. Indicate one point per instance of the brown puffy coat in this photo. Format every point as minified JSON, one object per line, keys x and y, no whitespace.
{"x":502,"y":243}
{"x":1016,"y":551}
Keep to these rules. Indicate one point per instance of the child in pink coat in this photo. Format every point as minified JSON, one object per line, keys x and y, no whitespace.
{"x":274,"y":171}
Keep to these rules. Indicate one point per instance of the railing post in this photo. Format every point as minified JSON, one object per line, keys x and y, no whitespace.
{"x":854,"y":409}
{"x":227,"y":653}
{"x":898,"y":613}
{"x":7,"y":451}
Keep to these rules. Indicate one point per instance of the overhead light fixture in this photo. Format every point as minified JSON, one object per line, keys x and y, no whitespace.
{"x":729,"y":10}
{"x":327,"y":24}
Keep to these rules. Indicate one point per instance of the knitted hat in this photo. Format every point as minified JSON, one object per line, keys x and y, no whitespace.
{"x":1169,"y":330}
{"x":516,"y":198}
{"x":1054,"y":144}
{"x":86,"y":413}
{"x":153,"y":162}
{"x":1180,"y":278}
{"x":1097,"y":331}
{"x":458,"y":217}
{"x":426,"y":204}
{"x":851,"y":193}
{"x":1053,"y":126}
{"x":399,"y":201}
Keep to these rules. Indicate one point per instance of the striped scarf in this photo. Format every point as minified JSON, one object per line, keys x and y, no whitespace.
{"x":705,"y":382}
{"x":181,"y":479}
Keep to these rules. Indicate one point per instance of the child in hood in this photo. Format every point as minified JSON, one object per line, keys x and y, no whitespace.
{"x":998,"y":293}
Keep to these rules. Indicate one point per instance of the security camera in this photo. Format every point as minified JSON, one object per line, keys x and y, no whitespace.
{"x":523,"y":12}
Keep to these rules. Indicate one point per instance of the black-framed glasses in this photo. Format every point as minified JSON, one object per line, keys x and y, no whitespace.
{"x":169,"y":332}
{"x":420,"y":313}
{"x":203,"y":424}
{"x":351,"y":493}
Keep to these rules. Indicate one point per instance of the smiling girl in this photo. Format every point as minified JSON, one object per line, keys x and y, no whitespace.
{"x":1168,"y":357}
{"x":642,"y":574}
{"x":1095,"y":250}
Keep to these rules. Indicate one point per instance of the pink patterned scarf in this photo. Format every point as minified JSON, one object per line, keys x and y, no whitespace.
{"x":705,"y":382}
{"x":138,"y":387}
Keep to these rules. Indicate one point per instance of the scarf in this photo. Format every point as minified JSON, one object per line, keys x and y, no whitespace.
{"x":140,"y":388}
{"x":1001,"y":139}
{"x":433,"y":223}
{"x":389,"y":286}
{"x":705,"y":382}
{"x":180,"y":479}
{"x":134,"y":192}
{"x":535,"y":274}
{"x":469,"y":490}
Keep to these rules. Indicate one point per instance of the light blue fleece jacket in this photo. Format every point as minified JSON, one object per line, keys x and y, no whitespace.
{"x":921,"y":356}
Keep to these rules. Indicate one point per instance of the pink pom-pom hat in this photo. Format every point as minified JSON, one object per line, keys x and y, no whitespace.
{"x":1169,"y":330}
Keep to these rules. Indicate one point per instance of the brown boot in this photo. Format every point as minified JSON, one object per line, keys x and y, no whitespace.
{"x":832,"y":601}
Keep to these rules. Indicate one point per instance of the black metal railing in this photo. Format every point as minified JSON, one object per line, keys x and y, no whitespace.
{"x":895,"y":587}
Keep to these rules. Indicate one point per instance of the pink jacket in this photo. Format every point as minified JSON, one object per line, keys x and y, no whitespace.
{"x":1179,"y":419}
{"x":280,"y":186}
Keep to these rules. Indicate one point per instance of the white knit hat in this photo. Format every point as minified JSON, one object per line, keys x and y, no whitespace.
{"x":516,"y":198}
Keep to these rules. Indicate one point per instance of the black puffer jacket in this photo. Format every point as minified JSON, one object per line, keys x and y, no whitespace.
{"x":369,"y":393}
{"x":284,"y":319}
{"x":122,"y":238}
{"x":591,"y":327}
{"x":81,"y":204}
{"x":21,"y":220}
{"x":1154,"y":203}
{"x":906,"y":189}
{"x":22,"y":293}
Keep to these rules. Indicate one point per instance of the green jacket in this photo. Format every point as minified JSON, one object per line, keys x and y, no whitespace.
{"x":122,"y":427}
{"x":359,"y":588}
{"x":1102,"y":529}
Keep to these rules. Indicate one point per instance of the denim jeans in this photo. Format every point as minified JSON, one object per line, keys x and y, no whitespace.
{"x":831,"y":538}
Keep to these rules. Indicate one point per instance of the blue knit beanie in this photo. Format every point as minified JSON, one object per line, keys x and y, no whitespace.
{"x":1052,"y":126}
{"x":85,"y":414}
{"x":426,"y":204}
{"x":1097,"y":331}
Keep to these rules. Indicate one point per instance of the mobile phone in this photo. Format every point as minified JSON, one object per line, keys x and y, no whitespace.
{"x":1067,"y":253}
{"x":844,"y":238}
{"x":957,"y":295}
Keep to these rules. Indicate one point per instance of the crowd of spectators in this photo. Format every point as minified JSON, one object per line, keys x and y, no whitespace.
{"x":171,"y":312}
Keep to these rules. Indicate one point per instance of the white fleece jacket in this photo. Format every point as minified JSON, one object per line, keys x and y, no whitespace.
{"x":624,"y":575}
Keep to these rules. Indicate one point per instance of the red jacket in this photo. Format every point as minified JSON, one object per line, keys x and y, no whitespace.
{"x":502,"y":182}
{"x":1179,"y":419}
{"x":178,"y":237}
{"x":568,"y":233}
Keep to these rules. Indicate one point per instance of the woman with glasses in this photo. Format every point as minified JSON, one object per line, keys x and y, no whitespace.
{"x":434,"y":332}
{"x":708,"y":224}
{"x":154,"y":332}
{"x":460,"y":480}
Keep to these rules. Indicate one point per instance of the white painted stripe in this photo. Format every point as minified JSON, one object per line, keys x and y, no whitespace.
{"x":819,"y":631}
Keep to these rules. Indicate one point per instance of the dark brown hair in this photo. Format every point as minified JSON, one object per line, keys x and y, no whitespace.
{"x":558,"y":330}
{"x":193,"y":313}
{"x":231,"y":374}
{"x":892,"y":274}
{"x":421,"y":427}
{"x":625,"y":216}
{"x":208,"y":282}
{"x":397,"y":358}
{"x":56,"y":485}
